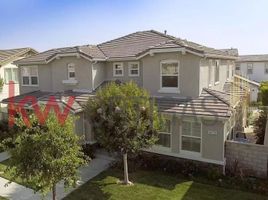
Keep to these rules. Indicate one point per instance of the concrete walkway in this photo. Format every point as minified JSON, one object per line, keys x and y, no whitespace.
{"x":15,"y":191}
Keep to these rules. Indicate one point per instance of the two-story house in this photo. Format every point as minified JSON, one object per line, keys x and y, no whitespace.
{"x":9,"y":71}
{"x":186,"y":79}
{"x":254,"y":67}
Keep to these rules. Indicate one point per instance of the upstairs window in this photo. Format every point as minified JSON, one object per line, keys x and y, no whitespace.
{"x":133,"y":69}
{"x":217,"y":72}
{"x":191,"y":136}
{"x":30,"y":76}
{"x":237,"y":67}
{"x":118,"y":69}
{"x":11,"y":74}
{"x":170,"y":74}
{"x":71,"y":71}
{"x":249,"y":68}
{"x":266,"y":68}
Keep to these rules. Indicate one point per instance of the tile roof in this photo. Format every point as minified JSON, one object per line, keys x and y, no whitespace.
{"x":132,"y":45}
{"x":210,"y":103}
{"x":253,"y":58}
{"x":89,"y":51}
{"x":61,"y":98}
{"x":11,"y":54}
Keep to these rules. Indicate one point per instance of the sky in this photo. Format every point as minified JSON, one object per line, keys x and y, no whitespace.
{"x":47,"y":24}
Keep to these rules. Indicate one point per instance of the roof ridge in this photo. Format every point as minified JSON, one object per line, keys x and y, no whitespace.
{"x":209,"y":91}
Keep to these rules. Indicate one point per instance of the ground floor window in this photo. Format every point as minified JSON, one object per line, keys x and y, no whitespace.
{"x":191,"y":136}
{"x":165,"y":135}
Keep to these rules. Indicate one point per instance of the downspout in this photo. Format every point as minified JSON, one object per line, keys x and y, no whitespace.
{"x":92,"y":78}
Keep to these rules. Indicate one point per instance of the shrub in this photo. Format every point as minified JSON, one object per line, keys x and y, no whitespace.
{"x":89,"y":150}
{"x":260,"y":126}
{"x":264,"y":93}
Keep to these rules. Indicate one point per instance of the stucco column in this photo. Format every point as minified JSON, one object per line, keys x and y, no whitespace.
{"x":175,"y":138}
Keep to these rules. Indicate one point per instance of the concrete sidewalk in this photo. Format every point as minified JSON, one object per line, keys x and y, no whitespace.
{"x":18,"y":192}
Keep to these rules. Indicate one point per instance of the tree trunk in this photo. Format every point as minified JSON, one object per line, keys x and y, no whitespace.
{"x":126,"y":181}
{"x":54,"y":192}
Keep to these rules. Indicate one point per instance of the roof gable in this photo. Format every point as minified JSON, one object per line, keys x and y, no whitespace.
{"x":9,"y":55}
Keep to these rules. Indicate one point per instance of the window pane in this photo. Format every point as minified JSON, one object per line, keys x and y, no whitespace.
{"x":191,"y":144}
{"x":166,"y":126}
{"x":71,"y":74}
{"x":15,"y":75}
{"x":26,"y":71}
{"x":34,"y":80}
{"x":25,"y":80}
{"x":34,"y":71}
{"x":8,"y":75}
{"x":164,"y":140}
{"x":169,"y":81}
{"x":118,"y":72}
{"x":186,"y":128}
{"x":196,"y":129}
{"x":134,"y":72}
{"x":169,"y":68}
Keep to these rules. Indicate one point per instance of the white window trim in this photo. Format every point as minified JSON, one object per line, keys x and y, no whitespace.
{"x":250,"y":65}
{"x":30,"y":81}
{"x":191,"y":153}
{"x":169,"y":89}
{"x":12,"y":73}
{"x":129,"y":69}
{"x":71,"y":65}
{"x":118,"y":75}
{"x":162,"y":148}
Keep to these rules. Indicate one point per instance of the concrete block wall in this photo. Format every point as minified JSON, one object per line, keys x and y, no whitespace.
{"x":252,"y":157}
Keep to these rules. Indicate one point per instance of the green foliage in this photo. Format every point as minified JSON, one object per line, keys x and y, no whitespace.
{"x":264,"y":93}
{"x":1,"y":83}
{"x":124,"y":118}
{"x":259,"y":127}
{"x":45,"y":155}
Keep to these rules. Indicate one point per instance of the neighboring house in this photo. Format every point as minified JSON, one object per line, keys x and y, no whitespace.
{"x":254,"y":67}
{"x":186,"y":79}
{"x":9,"y":71}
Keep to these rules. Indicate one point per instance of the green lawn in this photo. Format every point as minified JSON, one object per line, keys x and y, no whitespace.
{"x":6,"y":175}
{"x":151,"y":186}
{"x":2,"y":198}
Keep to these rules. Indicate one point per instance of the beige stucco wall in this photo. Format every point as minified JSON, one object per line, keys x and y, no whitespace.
{"x":212,"y":140}
{"x":204,"y":74}
{"x":188,"y":74}
{"x":52,"y":74}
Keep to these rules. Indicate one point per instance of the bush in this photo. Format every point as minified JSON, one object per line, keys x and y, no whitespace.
{"x":264,"y":93}
{"x":89,"y":150}
{"x":260,"y":126}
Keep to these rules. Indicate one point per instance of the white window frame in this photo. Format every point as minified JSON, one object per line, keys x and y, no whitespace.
{"x":130,"y":69}
{"x":160,"y":147}
{"x":12,"y":75}
{"x":30,"y":80}
{"x":170,"y":89}
{"x":114,"y":70}
{"x":191,"y":153}
{"x":71,"y":66}
{"x":250,"y":65}
{"x":237,"y":67}
{"x":266,"y":68}
{"x":217,"y":64}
